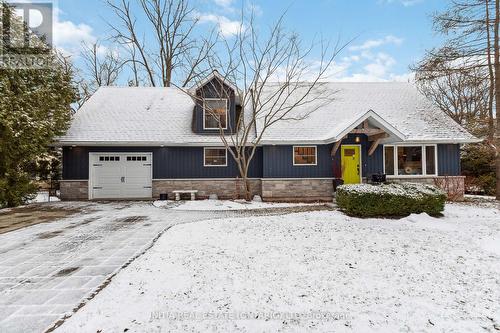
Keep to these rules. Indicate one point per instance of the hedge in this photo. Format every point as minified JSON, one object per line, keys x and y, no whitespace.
{"x":390,"y":200}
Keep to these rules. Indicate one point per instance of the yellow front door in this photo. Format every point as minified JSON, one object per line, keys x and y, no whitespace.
{"x":351,"y":166}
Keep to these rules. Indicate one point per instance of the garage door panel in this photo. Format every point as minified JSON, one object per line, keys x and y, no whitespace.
{"x":107,"y":193}
{"x":121,"y":175}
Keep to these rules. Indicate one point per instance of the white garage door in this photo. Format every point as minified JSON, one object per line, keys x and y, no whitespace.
{"x":120,"y":175}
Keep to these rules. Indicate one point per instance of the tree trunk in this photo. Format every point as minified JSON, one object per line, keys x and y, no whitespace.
{"x":491,"y":95}
{"x":497,"y":93}
{"x":246,"y":183}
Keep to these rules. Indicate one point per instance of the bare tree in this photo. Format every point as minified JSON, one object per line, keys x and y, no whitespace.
{"x":496,"y":64}
{"x":274,"y":80}
{"x":101,"y":67}
{"x":463,"y":95}
{"x":472,"y":43}
{"x":167,"y":50}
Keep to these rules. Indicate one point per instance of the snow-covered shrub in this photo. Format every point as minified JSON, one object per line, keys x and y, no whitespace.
{"x":395,"y":200}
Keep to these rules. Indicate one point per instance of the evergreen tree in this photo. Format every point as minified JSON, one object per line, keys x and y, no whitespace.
{"x":35,"y":107}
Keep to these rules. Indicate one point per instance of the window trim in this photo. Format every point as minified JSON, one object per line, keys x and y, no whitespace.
{"x":204,"y":112}
{"x":205,"y":161}
{"x":315,"y":156}
{"x":424,"y":160}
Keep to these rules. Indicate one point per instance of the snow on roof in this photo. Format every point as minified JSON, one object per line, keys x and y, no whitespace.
{"x":163,"y":116}
{"x":397,"y":104}
{"x":136,"y":116}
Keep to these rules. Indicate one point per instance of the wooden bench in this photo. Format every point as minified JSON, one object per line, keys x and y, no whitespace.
{"x":191,"y":192}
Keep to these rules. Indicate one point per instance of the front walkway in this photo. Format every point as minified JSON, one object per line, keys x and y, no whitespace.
{"x":48,"y":270}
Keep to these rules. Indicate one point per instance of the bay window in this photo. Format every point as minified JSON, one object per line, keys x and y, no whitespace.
{"x":410,"y":160}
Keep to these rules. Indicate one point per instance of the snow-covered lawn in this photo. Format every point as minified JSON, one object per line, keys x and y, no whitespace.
{"x":316,"y":271}
{"x":218,"y":205}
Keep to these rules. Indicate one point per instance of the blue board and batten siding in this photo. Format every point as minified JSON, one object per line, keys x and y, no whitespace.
{"x":168,"y":162}
{"x":214,"y":89}
{"x":269,"y":162}
{"x":449,"y":160}
{"x":278,"y":161}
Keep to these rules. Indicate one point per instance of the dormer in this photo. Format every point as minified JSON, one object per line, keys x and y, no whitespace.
{"x":216,"y":105}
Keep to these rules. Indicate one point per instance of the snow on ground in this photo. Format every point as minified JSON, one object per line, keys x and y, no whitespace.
{"x":217,"y":205}
{"x":316,"y":271}
{"x":43,"y":196}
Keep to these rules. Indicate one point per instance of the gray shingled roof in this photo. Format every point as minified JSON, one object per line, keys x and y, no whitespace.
{"x":136,"y":116}
{"x":398,"y":104}
{"x":163,"y":116}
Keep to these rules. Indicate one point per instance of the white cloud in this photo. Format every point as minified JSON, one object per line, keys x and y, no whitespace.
{"x":223,"y":3}
{"x":368,"y":68}
{"x":227,"y":27}
{"x":373,"y":43}
{"x":405,"y":3}
{"x":68,"y":36}
{"x":67,"y":33}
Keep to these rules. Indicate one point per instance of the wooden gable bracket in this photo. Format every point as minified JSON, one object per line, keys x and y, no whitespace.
{"x":374,"y":137}
{"x":376,"y":141}
{"x":336,"y":147}
{"x":373,"y":147}
{"x":368,"y":131}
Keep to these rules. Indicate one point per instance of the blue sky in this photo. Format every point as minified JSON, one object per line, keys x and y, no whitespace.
{"x":390,"y":34}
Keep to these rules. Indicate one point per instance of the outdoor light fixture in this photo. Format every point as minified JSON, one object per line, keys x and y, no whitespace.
{"x":357,"y":139}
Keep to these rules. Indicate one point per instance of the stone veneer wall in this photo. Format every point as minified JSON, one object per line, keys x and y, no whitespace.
{"x":224,"y":188}
{"x":453,"y":185}
{"x":300,"y":189}
{"x":74,"y":190}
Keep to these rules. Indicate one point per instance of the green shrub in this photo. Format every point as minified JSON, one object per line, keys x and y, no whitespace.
{"x":391,"y":200}
{"x":478,"y":165}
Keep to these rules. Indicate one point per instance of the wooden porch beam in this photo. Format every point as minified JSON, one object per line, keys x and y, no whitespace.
{"x":336,"y":147}
{"x":378,"y":136}
{"x":367,"y":131}
{"x":374,"y":147}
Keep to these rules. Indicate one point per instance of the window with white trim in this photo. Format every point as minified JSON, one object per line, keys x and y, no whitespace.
{"x":305,"y":155}
{"x":215,"y":113}
{"x":215,"y":157}
{"x":410,"y":160}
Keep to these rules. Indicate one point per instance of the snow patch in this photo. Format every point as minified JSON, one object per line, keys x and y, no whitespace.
{"x":216,"y":205}
{"x":375,"y":274}
{"x":418,"y":218}
{"x":44,"y":197}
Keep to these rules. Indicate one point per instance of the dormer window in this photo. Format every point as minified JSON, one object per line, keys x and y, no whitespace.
{"x":215,"y":113}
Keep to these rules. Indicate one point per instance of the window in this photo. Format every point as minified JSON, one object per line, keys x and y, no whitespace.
{"x":430,"y":160}
{"x":389,"y":160}
{"x":304,"y":155}
{"x":215,"y":112}
{"x":109,"y":158}
{"x":137,"y":158}
{"x":215,"y":157}
{"x":410,"y":160}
